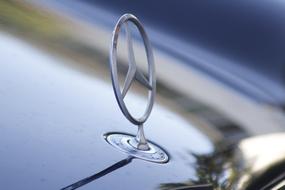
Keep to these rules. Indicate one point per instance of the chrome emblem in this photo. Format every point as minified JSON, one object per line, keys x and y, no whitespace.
{"x":133,"y":72}
{"x":137,"y":146}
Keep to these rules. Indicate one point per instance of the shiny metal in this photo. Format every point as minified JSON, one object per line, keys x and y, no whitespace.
{"x":140,"y":141}
{"x":127,"y":144}
{"x":133,"y":73}
{"x":135,"y":146}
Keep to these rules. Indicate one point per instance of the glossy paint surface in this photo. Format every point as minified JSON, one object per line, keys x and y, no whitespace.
{"x":57,"y":102}
{"x":53,"y":124}
{"x":237,"y":76}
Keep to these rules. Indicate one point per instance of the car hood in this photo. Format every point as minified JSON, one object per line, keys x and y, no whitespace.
{"x":57,"y":103}
{"x":54,"y":120}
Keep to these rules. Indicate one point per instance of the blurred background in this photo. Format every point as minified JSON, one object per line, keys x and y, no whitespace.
{"x":222,"y":62}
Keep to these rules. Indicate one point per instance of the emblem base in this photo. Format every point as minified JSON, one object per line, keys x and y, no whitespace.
{"x":124,"y":142}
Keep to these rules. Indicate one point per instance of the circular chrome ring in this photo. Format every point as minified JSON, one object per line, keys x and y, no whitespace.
{"x":122,"y":142}
{"x":114,"y":72}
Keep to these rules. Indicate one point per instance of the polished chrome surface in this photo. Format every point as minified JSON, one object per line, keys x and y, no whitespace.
{"x":133,"y":72}
{"x":128,"y":144}
{"x":139,"y":142}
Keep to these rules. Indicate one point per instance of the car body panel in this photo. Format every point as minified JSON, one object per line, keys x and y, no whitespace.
{"x":54,"y":121}
{"x":57,"y":103}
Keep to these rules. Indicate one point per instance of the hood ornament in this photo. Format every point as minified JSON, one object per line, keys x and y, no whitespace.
{"x":137,"y":146}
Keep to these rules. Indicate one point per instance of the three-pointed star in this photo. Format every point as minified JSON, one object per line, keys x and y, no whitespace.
{"x":133,"y":72}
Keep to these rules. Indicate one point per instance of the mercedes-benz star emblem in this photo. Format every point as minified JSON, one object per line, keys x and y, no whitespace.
{"x":137,"y":146}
